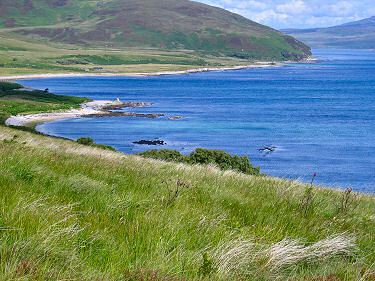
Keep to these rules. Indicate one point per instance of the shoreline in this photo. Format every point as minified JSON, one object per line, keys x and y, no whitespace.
{"x":140,"y":74}
{"x":92,"y":107}
{"x":96,"y":108}
{"x":100,"y":108}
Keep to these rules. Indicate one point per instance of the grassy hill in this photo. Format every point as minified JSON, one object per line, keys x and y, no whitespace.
{"x":168,"y":24}
{"x":84,"y":212}
{"x":353,"y":35}
{"x":75,"y":212}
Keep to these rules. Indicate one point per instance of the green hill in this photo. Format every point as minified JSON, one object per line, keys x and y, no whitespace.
{"x":74,"y":212}
{"x":167,"y":24}
{"x":352,"y":35}
{"x":81,"y":211}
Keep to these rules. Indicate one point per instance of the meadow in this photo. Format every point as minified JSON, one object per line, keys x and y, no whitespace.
{"x":76,"y":212}
{"x":39,"y":57}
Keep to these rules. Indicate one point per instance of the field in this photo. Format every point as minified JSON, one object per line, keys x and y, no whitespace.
{"x":37,"y":57}
{"x":81,"y":213}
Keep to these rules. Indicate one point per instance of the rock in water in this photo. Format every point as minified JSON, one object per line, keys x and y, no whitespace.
{"x":150,"y":142}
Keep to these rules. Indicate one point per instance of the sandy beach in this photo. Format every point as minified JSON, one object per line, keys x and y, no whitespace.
{"x":93,"y":107}
{"x":197,"y":70}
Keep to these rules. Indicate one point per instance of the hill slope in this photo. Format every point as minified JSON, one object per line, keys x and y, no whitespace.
{"x":352,"y":35}
{"x":75,"y":212}
{"x":171,"y":24}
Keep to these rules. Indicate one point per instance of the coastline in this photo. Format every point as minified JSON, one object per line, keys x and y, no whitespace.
{"x":141,"y":74}
{"x":99,"y":108}
{"x":96,"y":108}
{"x":92,"y":107}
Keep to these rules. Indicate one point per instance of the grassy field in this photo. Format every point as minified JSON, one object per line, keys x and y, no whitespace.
{"x":15,"y":100}
{"x":73,"y":212}
{"x":38,"y":57}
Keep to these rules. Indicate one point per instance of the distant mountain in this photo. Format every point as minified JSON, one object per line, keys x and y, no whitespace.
{"x":352,"y":35}
{"x":171,"y":24}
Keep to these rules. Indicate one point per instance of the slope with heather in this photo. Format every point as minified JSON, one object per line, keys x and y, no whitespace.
{"x":169,"y":24}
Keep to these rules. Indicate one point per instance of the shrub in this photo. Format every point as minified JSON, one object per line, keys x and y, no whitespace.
{"x":85,"y":141}
{"x":222,"y":159}
{"x":164,"y":154}
{"x":90,"y":142}
{"x":104,"y":146}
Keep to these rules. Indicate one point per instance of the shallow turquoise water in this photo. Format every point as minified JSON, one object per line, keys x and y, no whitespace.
{"x":320,"y":116}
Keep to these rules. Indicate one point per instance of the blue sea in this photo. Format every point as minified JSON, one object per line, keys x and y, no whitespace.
{"x":320,"y":116}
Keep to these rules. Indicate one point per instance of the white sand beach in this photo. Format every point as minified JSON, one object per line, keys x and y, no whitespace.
{"x":93,"y":107}
{"x":197,"y":70}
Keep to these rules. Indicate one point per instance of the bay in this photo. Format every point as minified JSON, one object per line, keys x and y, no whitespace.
{"x":321,"y":116}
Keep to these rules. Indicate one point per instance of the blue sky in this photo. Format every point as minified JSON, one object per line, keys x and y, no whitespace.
{"x":299,"y":13}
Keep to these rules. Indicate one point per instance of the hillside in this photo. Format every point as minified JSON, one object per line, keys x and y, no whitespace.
{"x":352,"y":35}
{"x":81,"y":211}
{"x":73,"y":212}
{"x":167,"y":24}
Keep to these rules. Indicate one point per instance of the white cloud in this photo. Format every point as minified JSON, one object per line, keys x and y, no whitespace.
{"x":257,"y":5}
{"x":299,"y":13}
{"x":293,"y":8}
{"x":268,"y":15}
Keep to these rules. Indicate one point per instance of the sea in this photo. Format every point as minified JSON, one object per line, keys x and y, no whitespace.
{"x":320,"y":116}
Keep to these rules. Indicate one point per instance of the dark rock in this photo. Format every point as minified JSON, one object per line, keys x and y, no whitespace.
{"x":150,"y":142}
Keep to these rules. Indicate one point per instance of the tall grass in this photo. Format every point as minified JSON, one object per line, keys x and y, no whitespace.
{"x":73,"y":212}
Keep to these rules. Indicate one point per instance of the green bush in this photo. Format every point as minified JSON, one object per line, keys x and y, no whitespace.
{"x":85,"y":141}
{"x":90,"y":142}
{"x":104,"y":146}
{"x":6,"y":86}
{"x":164,"y":154}
{"x":223,"y":160}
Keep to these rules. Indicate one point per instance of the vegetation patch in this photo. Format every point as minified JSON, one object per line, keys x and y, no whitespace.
{"x":90,"y":142}
{"x":120,"y":60}
{"x":7,"y":86}
{"x":220,"y":158}
{"x":14,"y":100}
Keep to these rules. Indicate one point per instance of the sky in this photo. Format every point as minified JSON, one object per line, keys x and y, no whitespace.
{"x":299,"y":13}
